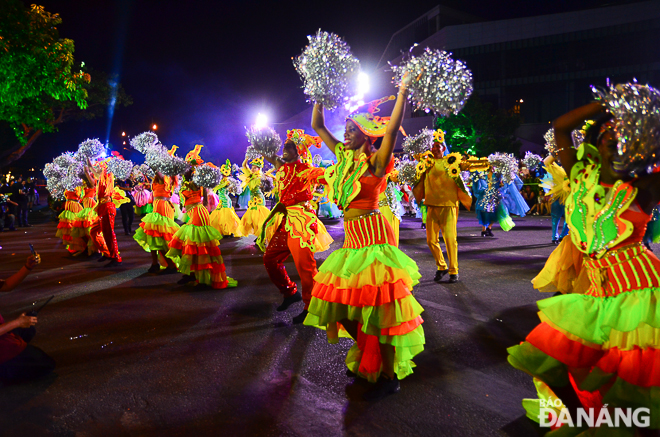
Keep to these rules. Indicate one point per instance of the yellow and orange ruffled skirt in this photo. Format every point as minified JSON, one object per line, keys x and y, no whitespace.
{"x":369,"y":280}
{"x":157,"y":228}
{"x":71,"y":227}
{"x":226,"y":221}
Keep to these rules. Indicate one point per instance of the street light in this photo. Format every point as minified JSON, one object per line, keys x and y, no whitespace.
{"x":123,"y":134}
{"x":154,"y":127}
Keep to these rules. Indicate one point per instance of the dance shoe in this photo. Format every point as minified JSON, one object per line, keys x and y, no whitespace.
{"x":440,"y":274}
{"x":453,"y":278}
{"x":299,"y":318}
{"x":384,"y":386}
{"x":290,"y":300}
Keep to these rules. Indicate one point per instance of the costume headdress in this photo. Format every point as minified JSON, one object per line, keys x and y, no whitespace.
{"x":226,"y":168}
{"x":303,"y":142}
{"x":172,"y":151}
{"x":258,"y":162}
{"x":370,"y":124}
{"x":439,"y":136}
{"x":193,"y":156}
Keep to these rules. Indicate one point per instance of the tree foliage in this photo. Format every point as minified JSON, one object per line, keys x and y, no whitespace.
{"x":481,"y":130}
{"x":41,"y":86}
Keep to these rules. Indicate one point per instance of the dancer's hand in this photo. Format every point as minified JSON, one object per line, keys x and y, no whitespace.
{"x":24,"y":321}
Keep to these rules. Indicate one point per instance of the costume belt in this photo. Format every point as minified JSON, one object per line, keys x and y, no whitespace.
{"x":193,"y":205}
{"x":166,"y":199}
{"x":360,"y":217}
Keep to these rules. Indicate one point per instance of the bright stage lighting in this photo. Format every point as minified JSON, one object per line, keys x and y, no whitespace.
{"x":261,"y":121}
{"x":363,"y":83}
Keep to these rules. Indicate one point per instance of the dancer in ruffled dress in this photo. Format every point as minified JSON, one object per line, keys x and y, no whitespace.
{"x":224,"y":218}
{"x":257,"y":212}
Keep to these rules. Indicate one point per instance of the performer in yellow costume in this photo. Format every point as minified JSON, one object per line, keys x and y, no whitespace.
{"x":257,"y":212}
{"x":224,"y":218}
{"x":441,"y":188}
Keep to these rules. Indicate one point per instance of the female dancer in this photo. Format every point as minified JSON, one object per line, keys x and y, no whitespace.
{"x":89,"y":218}
{"x":599,"y":348}
{"x":366,"y":285}
{"x":195,"y":247}
{"x":224,"y":218}
{"x":158,"y":227}
{"x":70,"y":228}
{"x":143,"y":199}
{"x":257,"y":212}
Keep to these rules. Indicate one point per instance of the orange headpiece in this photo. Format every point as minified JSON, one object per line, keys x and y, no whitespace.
{"x":303,"y":142}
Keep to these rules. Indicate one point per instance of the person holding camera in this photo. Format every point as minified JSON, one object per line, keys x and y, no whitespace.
{"x":20,"y":361}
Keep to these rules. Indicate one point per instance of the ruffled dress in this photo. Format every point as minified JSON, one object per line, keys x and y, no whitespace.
{"x":71,"y":228}
{"x":89,"y":217}
{"x":158,"y":227}
{"x":368,"y":280}
{"x":224,"y":218}
{"x":195,"y":247}
{"x":604,"y":341}
{"x":489,"y":206}
{"x":257,"y":213}
{"x":389,"y":203}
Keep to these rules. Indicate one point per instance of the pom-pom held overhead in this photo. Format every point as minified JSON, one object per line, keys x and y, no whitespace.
{"x":418,"y":144}
{"x":121,"y":168}
{"x":636,"y":109}
{"x":143,"y":142}
{"x":328,"y":69}
{"x":73,"y":178}
{"x":147,"y":171}
{"x":90,"y":148}
{"x":251,"y":153}
{"x":439,"y":83}
{"x":65,"y":160}
{"x":407,"y":171}
{"x":532,"y":161}
{"x":234,"y":186}
{"x":207,"y":176}
{"x":264,"y":140}
{"x":505,"y":164}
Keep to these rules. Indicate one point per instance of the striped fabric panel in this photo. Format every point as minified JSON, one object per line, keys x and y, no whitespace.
{"x":367,"y":231}
{"x":628,"y":270}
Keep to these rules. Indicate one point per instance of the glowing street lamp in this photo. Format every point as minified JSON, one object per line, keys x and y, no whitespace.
{"x":154,"y":127}
{"x":261,"y":121}
{"x":123,"y":134}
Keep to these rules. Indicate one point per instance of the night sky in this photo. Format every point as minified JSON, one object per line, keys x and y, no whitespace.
{"x":202,"y":70}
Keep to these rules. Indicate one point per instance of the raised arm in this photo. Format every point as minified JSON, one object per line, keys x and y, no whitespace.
{"x":565,"y":125}
{"x":277,"y":161}
{"x":384,"y":154}
{"x":244,"y":165}
{"x":318,"y":124}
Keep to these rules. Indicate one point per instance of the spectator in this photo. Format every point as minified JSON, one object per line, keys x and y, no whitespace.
{"x":19,"y":196}
{"x":6,"y":217}
{"x":31,"y":191}
{"x":20,"y":361}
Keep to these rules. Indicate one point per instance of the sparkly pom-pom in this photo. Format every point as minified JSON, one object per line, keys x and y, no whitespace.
{"x":636,"y":109}
{"x":252,"y":153}
{"x":65,"y":160}
{"x":234,"y":187}
{"x":55,"y":188}
{"x":532,"y":161}
{"x":90,"y":148}
{"x":147,"y":171}
{"x":407,"y":171}
{"x":439,"y":83}
{"x":264,"y":141}
{"x":505,"y":164}
{"x":418,"y":144}
{"x":207,"y":176}
{"x":328,"y":70}
{"x":52,"y":170}
{"x":73,"y":177}
{"x":121,"y":168}
{"x":266,"y":184}
{"x":143,"y":142}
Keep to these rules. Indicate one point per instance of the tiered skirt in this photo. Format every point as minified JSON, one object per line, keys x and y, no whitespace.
{"x":157,"y":228}
{"x":71,"y":227}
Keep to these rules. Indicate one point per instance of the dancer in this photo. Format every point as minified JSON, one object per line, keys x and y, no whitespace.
{"x":195,"y":247}
{"x":158,"y":227}
{"x":224,"y":217}
{"x":553,"y":183}
{"x":599,"y":348}
{"x":365,"y":287}
{"x":298,"y":231}
{"x":106,"y":209}
{"x":143,"y":199}
{"x":441,"y":187}
{"x":71,"y":228}
{"x":257,"y":212}
{"x":89,"y":218}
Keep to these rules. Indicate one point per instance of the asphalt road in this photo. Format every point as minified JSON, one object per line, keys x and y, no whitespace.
{"x":138,"y":354}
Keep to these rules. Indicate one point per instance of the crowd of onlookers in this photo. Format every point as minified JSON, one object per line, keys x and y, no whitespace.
{"x":17,"y":198}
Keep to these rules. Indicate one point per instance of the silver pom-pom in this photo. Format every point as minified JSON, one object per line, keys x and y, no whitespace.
{"x":418,"y":144}
{"x":551,"y":146}
{"x":65,"y":160}
{"x":439,"y":83}
{"x":505,"y":164}
{"x":407,"y":171}
{"x":52,"y":170}
{"x":316,"y":160}
{"x":73,"y":177}
{"x":532,"y":161}
{"x":252,"y":153}
{"x":90,"y":148}
{"x":234,"y":186}
{"x":264,"y":140}
{"x":120,"y":168}
{"x":235,"y":168}
{"x":146,"y":170}
{"x":266,"y":184}
{"x":578,"y":138}
{"x":207,"y":176}
{"x":143,"y":142}
{"x":328,"y":70}
{"x":55,"y":188}
{"x":636,"y":109}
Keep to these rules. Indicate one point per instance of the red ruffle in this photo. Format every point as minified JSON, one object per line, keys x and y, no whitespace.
{"x":194,"y":249}
{"x":403,"y":328}
{"x":156,"y":234}
{"x":215,"y":268}
{"x":368,"y":295}
{"x":558,"y":346}
{"x":640,"y":367}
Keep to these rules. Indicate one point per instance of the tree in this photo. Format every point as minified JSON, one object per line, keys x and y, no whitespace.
{"x":480,"y":130}
{"x":39,"y":88}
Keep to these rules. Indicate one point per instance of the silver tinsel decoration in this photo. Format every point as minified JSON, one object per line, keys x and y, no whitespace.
{"x":235,"y":168}
{"x":636,"y":109}
{"x":328,"y":70}
{"x":90,"y":148}
{"x":234,"y":186}
{"x":578,"y":138}
{"x":418,"y":144}
{"x":505,"y":164}
{"x":172,"y":165}
{"x":206,"y":176}
{"x":251,"y":153}
{"x":73,"y":177}
{"x":532,"y":161}
{"x":266,"y":184}
{"x":120,"y":168}
{"x":407,"y":171}
{"x":439,"y":83}
{"x":143,"y":142}
{"x":54,"y":171}
{"x":551,"y":146}
{"x":264,"y":141}
{"x":65,"y":160}
{"x":55,"y":188}
{"x":316,"y":160}
{"x":147,"y":171}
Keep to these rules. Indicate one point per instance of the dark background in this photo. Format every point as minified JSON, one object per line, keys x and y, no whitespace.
{"x":202,"y":70}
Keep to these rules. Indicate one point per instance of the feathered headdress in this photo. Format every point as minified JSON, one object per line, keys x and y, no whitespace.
{"x":193,"y":156}
{"x":370,"y":124}
{"x":303,"y":142}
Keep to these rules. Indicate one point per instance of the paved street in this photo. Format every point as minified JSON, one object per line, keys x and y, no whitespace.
{"x":138,"y":354}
